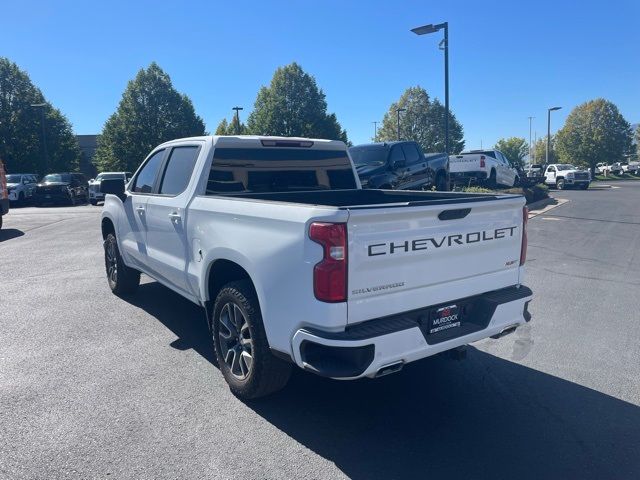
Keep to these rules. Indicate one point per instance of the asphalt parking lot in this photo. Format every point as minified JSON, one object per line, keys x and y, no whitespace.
{"x":92,"y":385}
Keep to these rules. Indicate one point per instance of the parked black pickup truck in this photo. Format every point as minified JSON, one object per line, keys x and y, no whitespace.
{"x":400,"y":166}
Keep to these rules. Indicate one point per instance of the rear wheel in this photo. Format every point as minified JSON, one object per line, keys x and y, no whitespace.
{"x":584,"y":186}
{"x":241,"y":345}
{"x":122,"y":279}
{"x":560,"y":184}
{"x":441,"y":182}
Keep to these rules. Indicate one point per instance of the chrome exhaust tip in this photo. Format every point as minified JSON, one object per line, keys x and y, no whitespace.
{"x":505,"y":331}
{"x":389,"y":369}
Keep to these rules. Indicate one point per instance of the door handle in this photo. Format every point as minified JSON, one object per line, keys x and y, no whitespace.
{"x":140,"y":210}
{"x":175,"y":217}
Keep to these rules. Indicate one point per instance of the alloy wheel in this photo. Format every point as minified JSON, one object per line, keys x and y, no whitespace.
{"x":236,"y":345}
{"x":111,"y":261}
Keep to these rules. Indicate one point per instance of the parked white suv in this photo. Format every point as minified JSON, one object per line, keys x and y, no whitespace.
{"x":563,"y":175}
{"x":95,"y":195}
{"x":296,"y":264}
{"x":488,"y":167}
{"x":21,"y":186}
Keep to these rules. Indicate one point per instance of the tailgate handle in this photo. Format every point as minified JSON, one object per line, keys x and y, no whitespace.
{"x":454,"y":214}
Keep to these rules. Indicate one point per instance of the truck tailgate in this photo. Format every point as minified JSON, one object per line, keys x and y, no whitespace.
{"x":412,"y":256}
{"x":462,"y":164}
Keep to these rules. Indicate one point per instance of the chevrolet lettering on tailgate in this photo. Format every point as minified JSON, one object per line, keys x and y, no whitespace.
{"x":445,"y":241}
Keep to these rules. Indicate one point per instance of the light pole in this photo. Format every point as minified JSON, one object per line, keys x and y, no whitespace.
{"x":549,"y":110}
{"x":398,"y":110}
{"x":237,"y":109}
{"x":375,"y":131}
{"x":41,"y":107}
{"x":444,"y":45}
{"x":530,"y":146}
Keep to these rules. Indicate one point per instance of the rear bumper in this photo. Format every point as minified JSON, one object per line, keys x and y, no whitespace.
{"x":364,"y":349}
{"x":478,"y":175}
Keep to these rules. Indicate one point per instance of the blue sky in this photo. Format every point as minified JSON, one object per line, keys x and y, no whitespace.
{"x":508,"y":60}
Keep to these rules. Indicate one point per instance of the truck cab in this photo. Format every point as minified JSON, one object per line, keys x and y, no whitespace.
{"x":399,"y":166}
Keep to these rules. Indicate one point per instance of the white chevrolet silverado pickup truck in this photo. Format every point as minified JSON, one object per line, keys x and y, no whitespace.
{"x":295,"y":264}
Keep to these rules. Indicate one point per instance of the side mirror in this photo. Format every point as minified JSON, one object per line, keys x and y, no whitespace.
{"x":91,"y":180}
{"x":113,"y":186}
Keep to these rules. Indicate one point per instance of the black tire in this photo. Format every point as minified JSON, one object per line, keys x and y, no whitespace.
{"x":441,"y":182}
{"x":584,"y":186}
{"x":491,"y":182}
{"x":72,"y":199}
{"x":21,"y":200}
{"x":0,"y":222}
{"x":93,"y":202}
{"x":560,"y":185}
{"x":266,"y":373}
{"x":122,"y":280}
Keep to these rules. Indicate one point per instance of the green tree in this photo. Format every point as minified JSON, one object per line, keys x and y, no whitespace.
{"x":293,"y":106}
{"x":539,"y":150}
{"x":515,"y":149}
{"x":151,"y":112}
{"x":233,"y":128}
{"x":422,"y":121}
{"x":594,"y":132}
{"x":21,"y":146}
{"x":637,"y":140}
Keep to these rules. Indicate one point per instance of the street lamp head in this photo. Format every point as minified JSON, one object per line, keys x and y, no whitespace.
{"x":426,"y":29}
{"x":552,"y":109}
{"x":237,"y":108}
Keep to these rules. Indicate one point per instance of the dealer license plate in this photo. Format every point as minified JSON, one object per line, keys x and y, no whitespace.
{"x":443,"y":319}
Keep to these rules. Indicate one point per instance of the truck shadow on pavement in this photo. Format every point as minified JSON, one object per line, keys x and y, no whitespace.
{"x":10,"y":233}
{"x":184,"y":318}
{"x":483,"y":417}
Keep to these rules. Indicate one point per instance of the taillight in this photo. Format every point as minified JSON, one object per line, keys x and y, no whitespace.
{"x":482,"y":164}
{"x":523,"y":247}
{"x":330,"y":274}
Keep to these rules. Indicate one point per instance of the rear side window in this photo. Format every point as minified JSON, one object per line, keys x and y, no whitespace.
{"x":179,"y":169}
{"x":279,"y":170}
{"x":147,"y":176}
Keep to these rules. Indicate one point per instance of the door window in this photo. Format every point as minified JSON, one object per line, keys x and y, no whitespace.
{"x":396,"y":156}
{"x":551,"y":169}
{"x":146,"y":178}
{"x":411,"y":153}
{"x":178,"y":170}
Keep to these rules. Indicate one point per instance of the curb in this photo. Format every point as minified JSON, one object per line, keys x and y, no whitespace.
{"x":544,"y":205}
{"x":596,"y":187}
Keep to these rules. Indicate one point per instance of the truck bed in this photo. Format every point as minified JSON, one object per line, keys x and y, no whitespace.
{"x":368,"y":198}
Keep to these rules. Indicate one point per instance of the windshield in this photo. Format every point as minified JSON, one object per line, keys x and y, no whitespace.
{"x":57,"y":177}
{"x":13,"y":178}
{"x":566,"y":167}
{"x":373,"y":155}
{"x":108,"y":176}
